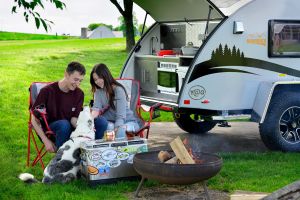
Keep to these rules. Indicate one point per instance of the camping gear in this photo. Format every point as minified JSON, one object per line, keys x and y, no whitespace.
{"x":109,"y":161}
{"x":149,"y":166}
{"x":242,"y":69}
{"x":166,"y":52}
{"x":132,"y":88}
{"x":40,"y":114}
{"x":189,"y":49}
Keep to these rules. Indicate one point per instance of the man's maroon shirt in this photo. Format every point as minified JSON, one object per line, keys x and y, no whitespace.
{"x":60,"y":105}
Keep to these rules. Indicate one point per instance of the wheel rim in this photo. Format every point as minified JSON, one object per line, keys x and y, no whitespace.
{"x":289,"y":125}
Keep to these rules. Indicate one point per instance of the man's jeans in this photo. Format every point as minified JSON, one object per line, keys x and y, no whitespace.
{"x":62,"y":130}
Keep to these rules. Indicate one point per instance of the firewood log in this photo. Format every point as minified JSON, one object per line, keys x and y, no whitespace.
{"x":163,"y":156}
{"x":181,"y":152}
{"x":173,"y":160}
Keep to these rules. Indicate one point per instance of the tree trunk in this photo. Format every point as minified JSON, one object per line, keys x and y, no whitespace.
{"x":130,"y":42}
{"x":127,"y":15}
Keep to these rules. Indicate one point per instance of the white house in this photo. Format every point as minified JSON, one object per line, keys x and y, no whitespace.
{"x":100,"y":32}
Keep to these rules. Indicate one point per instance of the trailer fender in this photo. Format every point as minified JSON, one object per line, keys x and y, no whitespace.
{"x":265,"y":93}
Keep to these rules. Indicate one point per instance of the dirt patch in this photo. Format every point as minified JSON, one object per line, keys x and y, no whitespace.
{"x":175,"y":192}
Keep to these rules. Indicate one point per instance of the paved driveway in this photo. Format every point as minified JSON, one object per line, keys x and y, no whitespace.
{"x":240,"y":137}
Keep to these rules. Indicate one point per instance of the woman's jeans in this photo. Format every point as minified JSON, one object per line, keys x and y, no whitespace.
{"x":100,"y":126}
{"x":62,"y":130}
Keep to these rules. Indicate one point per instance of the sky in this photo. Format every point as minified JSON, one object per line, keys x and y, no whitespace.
{"x":77,"y":14}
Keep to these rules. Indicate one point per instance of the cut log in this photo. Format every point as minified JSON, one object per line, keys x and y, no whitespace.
{"x":173,"y":160}
{"x":180,"y":151}
{"x":163,"y":156}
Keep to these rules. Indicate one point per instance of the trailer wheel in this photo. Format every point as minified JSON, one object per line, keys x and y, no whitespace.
{"x":281,"y":127}
{"x":190,"y":123}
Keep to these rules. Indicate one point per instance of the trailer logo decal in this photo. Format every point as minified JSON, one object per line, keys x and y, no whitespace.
{"x":224,"y":56}
{"x":258,"y":39}
{"x":197,"y":92}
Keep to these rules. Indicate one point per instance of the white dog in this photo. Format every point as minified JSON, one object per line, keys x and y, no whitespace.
{"x":64,"y":167}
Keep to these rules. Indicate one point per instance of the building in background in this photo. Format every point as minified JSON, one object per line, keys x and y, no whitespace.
{"x":100,"y":32}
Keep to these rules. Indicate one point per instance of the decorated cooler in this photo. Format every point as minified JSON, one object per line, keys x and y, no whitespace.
{"x":109,"y":161}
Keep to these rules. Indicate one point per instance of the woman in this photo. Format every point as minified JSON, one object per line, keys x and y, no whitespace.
{"x":110,"y":109}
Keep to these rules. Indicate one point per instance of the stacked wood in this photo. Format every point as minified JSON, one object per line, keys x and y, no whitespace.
{"x":182,"y":155}
{"x":181,"y":152}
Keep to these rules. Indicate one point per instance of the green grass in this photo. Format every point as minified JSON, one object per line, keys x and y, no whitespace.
{"x":22,"y":62}
{"x":28,"y":36}
{"x":260,"y":172}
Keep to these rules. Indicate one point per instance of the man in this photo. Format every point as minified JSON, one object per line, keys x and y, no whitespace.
{"x":63,"y":101}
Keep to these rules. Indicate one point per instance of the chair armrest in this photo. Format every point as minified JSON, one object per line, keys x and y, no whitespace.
{"x":151,"y":108}
{"x":156,"y":106}
{"x":145,"y":108}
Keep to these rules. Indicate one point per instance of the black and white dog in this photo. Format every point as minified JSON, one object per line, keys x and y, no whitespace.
{"x":64,"y":167}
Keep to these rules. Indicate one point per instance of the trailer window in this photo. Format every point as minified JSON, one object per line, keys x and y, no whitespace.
{"x":284,"y":38}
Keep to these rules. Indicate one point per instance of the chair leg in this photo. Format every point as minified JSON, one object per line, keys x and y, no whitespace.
{"x":39,"y":156}
{"x":28,"y":146}
{"x":147,"y":133}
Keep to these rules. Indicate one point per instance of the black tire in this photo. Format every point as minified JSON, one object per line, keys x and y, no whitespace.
{"x":281,"y":127}
{"x":186,"y":123}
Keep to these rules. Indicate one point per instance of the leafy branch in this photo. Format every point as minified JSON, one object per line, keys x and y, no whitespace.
{"x":29,"y":10}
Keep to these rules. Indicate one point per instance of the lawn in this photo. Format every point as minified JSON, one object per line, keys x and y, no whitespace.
{"x":25,"y":61}
{"x":26,"y":36}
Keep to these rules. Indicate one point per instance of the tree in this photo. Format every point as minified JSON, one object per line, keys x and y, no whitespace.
{"x":30,"y":6}
{"x":128,"y":21}
{"x":122,"y":26}
{"x":234,"y":53}
{"x":140,"y":28}
{"x":93,"y":26}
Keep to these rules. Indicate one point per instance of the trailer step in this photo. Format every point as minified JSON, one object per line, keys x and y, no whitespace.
{"x":231,"y":117}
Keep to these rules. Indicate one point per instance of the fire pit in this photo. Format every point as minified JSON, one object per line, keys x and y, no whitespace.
{"x":148,"y":166}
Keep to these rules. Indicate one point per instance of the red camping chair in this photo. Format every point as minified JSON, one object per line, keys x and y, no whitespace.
{"x":39,"y":113}
{"x":133,"y":91}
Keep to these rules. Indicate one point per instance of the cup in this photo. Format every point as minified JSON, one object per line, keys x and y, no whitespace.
{"x":109,"y":135}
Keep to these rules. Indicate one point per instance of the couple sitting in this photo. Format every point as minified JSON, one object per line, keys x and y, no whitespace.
{"x":63,"y":101}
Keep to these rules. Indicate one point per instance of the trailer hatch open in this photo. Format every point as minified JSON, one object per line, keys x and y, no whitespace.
{"x":189,"y":10}
{"x":178,"y":10}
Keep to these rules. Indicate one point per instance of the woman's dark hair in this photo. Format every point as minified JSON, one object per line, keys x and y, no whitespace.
{"x":103,"y":72}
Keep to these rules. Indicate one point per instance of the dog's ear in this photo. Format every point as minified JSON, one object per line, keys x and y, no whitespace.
{"x":79,"y":118}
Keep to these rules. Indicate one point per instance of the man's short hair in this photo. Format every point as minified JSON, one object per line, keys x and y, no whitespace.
{"x":75,"y":66}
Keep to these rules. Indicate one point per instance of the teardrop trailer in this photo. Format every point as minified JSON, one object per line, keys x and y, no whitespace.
{"x":246,"y":64}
